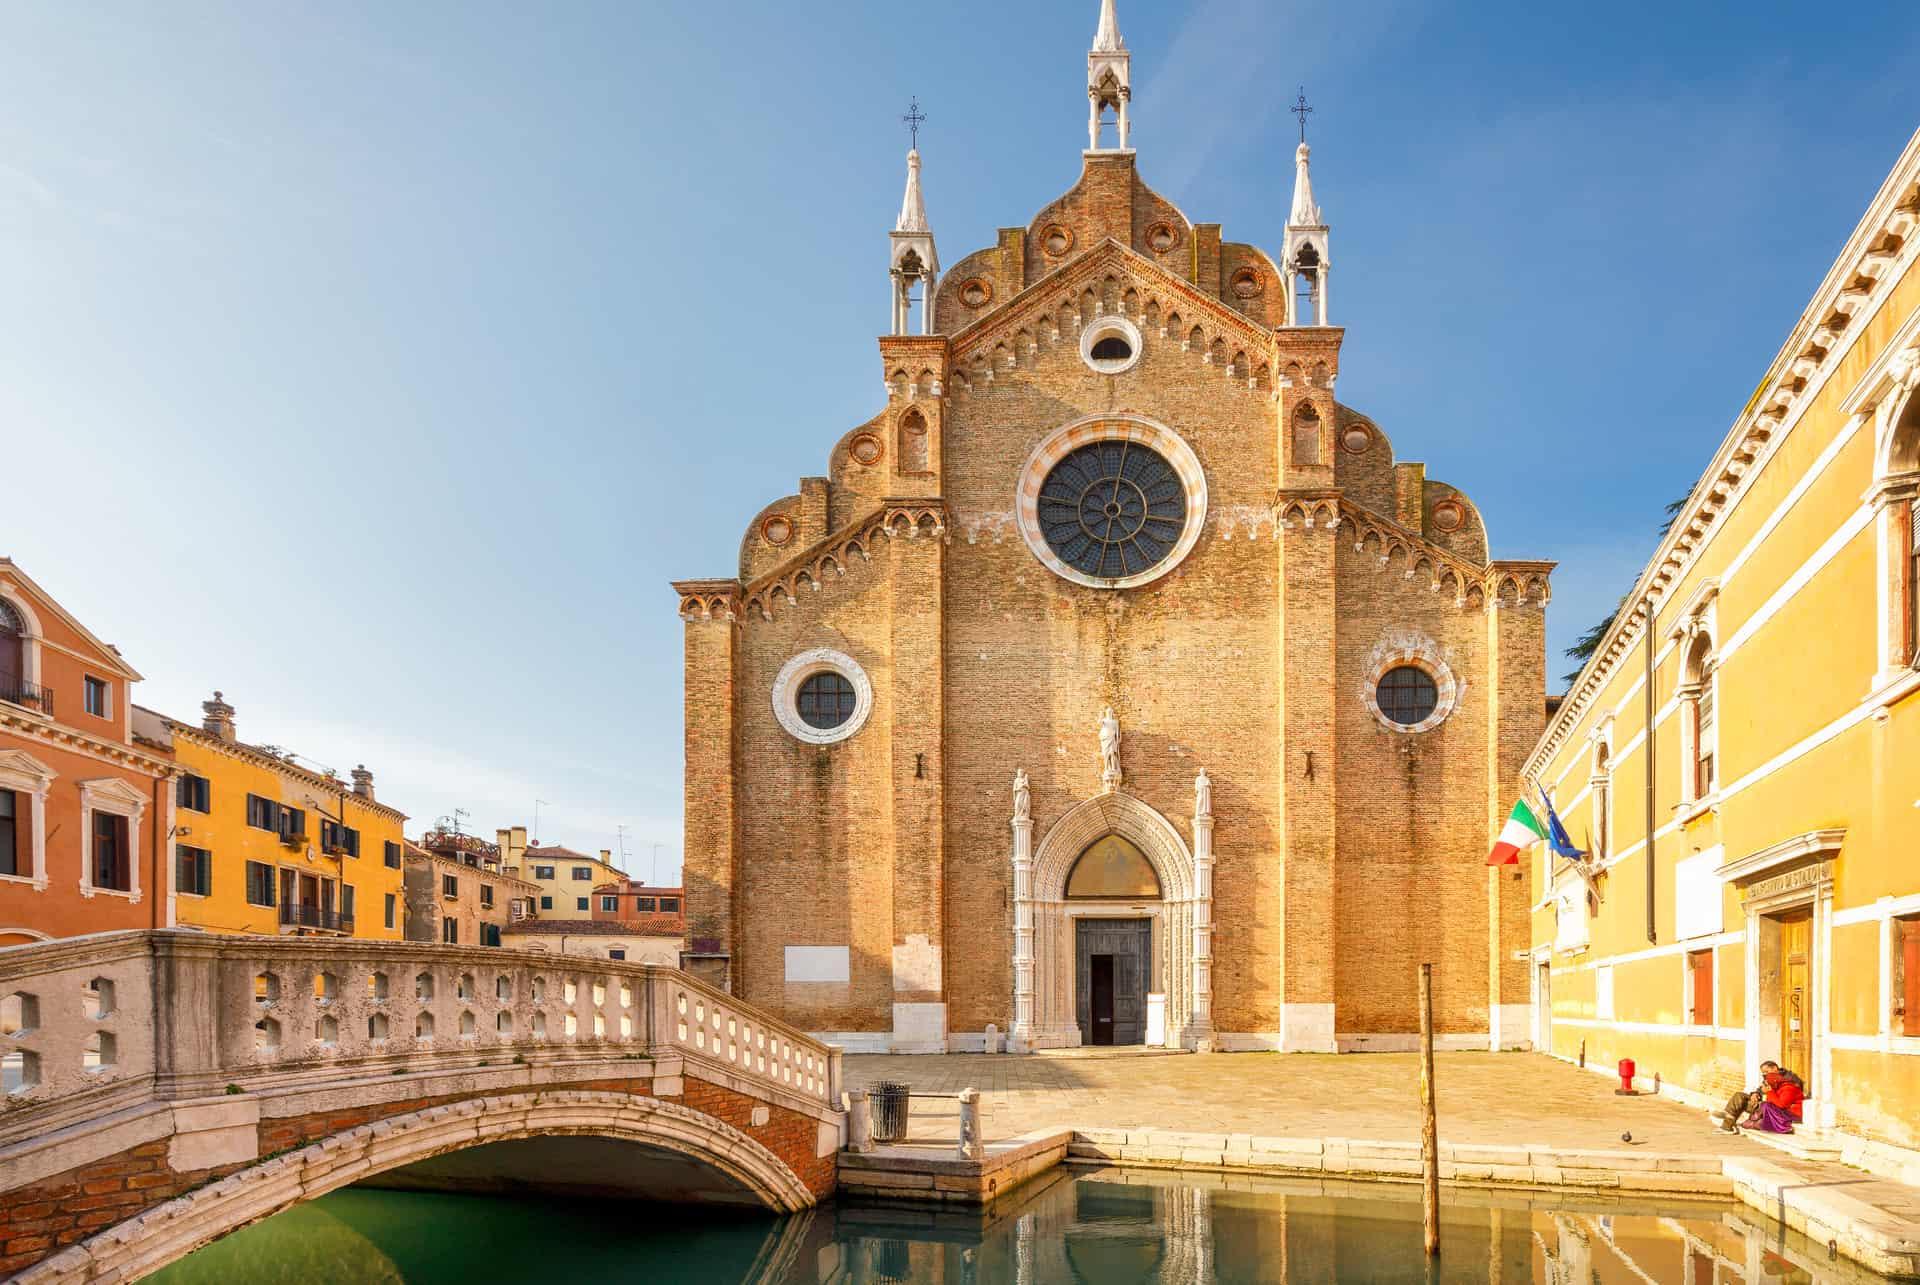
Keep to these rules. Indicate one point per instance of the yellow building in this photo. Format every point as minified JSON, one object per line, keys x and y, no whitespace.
{"x":1777,"y":915}
{"x":263,"y":845}
{"x":566,"y":878}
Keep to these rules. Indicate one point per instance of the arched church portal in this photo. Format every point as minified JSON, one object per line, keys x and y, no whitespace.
{"x":1105,"y":913}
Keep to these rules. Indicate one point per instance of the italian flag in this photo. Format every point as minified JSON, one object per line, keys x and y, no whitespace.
{"x":1523,"y":829}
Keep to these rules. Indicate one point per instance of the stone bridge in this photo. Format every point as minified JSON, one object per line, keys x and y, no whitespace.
{"x":164,"y":1088}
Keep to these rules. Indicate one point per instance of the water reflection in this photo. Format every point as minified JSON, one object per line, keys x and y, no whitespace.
{"x":1106,"y":1226}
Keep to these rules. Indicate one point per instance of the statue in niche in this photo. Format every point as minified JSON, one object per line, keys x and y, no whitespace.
{"x":1109,"y":749}
{"x":1022,"y":796}
{"x":1203,"y":795}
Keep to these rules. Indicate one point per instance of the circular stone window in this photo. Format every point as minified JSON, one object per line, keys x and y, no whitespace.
{"x":865,"y":449}
{"x":1112,"y":502}
{"x":822,"y":696}
{"x":1448,"y":515}
{"x":1110,"y":345}
{"x":1247,"y":283}
{"x":976,"y":293}
{"x":777,"y":529}
{"x":1356,"y":439}
{"x":1057,"y":239}
{"x":1411,"y":689}
{"x":1161,"y":238}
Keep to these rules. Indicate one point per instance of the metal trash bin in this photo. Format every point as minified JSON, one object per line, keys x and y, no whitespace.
{"x":889,"y":1099}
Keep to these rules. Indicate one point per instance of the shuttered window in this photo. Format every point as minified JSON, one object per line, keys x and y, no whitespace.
{"x":1700,"y":987}
{"x":194,"y":793}
{"x":259,"y":883}
{"x":193,"y":871}
{"x":1906,"y":964}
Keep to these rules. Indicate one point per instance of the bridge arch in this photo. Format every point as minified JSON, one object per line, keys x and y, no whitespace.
{"x":168,"y":1232}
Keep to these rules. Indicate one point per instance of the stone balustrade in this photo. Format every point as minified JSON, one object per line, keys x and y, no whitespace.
{"x":90,"y":1024}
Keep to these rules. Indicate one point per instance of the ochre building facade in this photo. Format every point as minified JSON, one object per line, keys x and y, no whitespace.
{"x":1775,"y":912}
{"x":1116,"y":683}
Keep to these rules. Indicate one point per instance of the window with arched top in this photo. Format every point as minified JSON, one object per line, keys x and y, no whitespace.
{"x":1697,"y":714}
{"x":1112,"y":867}
{"x":914,"y":454}
{"x":1602,"y":793}
{"x":1306,"y":435}
{"x":13,"y":650}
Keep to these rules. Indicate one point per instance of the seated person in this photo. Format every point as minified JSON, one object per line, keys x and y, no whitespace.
{"x":1772,"y":1107}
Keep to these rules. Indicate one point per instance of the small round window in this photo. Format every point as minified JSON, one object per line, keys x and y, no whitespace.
{"x":825,"y":700}
{"x":1111,"y":345}
{"x":1407,"y":695}
{"x":822,"y":696}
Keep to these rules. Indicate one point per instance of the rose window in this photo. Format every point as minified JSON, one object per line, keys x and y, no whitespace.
{"x":1112,"y":509}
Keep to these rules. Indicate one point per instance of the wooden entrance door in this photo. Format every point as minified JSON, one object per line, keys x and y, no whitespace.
{"x":1796,"y":995}
{"x":1111,"y":979}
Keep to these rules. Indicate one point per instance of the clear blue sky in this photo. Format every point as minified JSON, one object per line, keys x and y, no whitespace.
{"x":381,"y":364}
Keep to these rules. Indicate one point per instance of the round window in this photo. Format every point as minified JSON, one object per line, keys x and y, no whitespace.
{"x":1110,"y":345}
{"x":825,"y":700}
{"x":822,"y":696}
{"x":1112,"y":509}
{"x":1407,"y":695}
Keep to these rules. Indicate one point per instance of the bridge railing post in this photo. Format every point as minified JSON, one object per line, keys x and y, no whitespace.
{"x":836,"y":1073}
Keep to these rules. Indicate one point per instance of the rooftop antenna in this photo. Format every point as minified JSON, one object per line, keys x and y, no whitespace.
{"x":453,"y":821}
{"x":620,"y":832}
{"x":656,"y":863}
{"x":536,"y":821}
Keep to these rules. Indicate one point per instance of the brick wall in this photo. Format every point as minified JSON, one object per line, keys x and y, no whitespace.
{"x":1252,"y":652}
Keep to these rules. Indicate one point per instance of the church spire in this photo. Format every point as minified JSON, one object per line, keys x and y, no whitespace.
{"x":1109,"y":80}
{"x":913,"y":211}
{"x":1305,"y":251}
{"x":914,"y":259}
{"x":1305,"y":213}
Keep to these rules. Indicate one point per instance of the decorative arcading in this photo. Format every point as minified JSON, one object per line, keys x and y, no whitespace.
{"x":1878,"y":254}
{"x":1472,"y":587}
{"x":811,"y":567}
{"x":1055,"y":308}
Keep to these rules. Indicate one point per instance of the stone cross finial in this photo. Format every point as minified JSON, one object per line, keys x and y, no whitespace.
{"x":1110,"y":774}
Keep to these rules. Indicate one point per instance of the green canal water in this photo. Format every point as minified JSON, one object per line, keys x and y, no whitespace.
{"x":1094,"y":1226}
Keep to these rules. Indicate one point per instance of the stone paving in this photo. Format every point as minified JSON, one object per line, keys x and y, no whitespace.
{"x":1492,"y":1098}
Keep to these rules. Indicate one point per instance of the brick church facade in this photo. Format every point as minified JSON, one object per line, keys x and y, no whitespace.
{"x":1116,"y":683}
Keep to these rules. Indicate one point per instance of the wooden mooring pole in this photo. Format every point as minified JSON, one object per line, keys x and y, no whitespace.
{"x":1429,"y":1130}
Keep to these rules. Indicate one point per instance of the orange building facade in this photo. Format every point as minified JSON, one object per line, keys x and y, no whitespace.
{"x":86,"y":806}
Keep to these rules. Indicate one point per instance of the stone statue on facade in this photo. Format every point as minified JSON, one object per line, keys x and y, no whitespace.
{"x":1203,"y":795}
{"x":1109,"y":749}
{"x":1022,"y":796}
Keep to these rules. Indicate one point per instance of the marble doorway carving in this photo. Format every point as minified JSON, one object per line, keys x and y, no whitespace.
{"x":1045,"y":932}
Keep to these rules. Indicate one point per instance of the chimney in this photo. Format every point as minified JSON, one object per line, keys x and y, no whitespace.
{"x":217,"y":717}
{"x":606,"y":856}
{"x":363,"y":782}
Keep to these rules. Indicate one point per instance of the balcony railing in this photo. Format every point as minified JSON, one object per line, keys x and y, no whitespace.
{"x":297,"y":916}
{"x":18,"y":691}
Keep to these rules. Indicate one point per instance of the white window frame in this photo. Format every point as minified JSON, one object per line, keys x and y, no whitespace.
{"x":1698,"y":619}
{"x":786,"y":695}
{"x":29,"y":641}
{"x":1896,"y":484}
{"x":115,"y":797}
{"x":29,"y":777}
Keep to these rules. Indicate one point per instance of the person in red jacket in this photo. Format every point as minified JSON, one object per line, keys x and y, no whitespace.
{"x":1774,"y":1106}
{"x":1780,"y":1104}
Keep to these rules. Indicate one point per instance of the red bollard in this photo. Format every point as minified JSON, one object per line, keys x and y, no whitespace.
{"x":1626,"y":1088}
